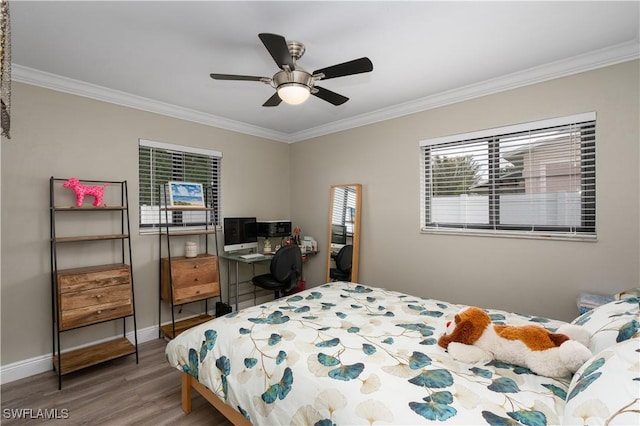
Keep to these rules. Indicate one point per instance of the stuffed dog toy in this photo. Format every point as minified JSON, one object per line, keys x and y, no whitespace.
{"x":97,"y":192}
{"x":472,"y":338}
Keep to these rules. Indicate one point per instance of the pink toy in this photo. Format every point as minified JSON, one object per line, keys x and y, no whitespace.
{"x":97,"y":192}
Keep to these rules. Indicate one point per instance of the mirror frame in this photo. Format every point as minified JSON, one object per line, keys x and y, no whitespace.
{"x":356,"y":230}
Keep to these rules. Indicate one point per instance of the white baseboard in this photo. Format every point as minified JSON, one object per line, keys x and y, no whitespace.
{"x":43,"y":363}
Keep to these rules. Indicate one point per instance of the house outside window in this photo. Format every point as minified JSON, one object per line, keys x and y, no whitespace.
{"x":530,"y":180}
{"x":160,"y":163}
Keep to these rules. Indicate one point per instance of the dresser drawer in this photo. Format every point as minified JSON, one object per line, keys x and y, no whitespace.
{"x":196,"y":292}
{"x":192,"y":279}
{"x":79,"y":279}
{"x":95,"y":294}
{"x":95,"y":297}
{"x":92,"y":314}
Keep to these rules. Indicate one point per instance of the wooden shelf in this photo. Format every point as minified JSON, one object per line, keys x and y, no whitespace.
{"x":87,"y":208}
{"x":93,"y":355}
{"x":186,"y":280}
{"x":183,"y":325}
{"x":90,"y":238}
{"x":88,"y":295}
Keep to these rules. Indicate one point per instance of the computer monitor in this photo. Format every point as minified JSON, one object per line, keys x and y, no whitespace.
{"x":338,"y":234}
{"x":240,"y":233}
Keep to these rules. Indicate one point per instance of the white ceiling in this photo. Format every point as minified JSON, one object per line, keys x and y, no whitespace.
{"x":157,"y":55}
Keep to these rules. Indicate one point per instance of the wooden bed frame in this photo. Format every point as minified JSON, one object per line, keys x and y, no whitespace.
{"x":189,"y":382}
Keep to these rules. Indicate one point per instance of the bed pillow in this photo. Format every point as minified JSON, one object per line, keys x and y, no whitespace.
{"x":605,"y":389}
{"x":611,"y":323}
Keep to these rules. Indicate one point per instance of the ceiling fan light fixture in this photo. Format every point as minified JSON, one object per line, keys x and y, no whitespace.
{"x":293,"y":93}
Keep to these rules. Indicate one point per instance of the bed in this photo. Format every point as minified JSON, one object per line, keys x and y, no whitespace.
{"x":346,"y":353}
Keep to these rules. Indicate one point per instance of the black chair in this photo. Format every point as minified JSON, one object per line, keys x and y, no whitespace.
{"x":342,"y":271}
{"x":285,"y":271}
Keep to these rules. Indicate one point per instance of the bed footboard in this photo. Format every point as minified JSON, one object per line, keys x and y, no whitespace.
{"x":188,"y":383}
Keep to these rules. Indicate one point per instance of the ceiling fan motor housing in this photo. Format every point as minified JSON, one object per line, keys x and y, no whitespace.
{"x":298,"y":76}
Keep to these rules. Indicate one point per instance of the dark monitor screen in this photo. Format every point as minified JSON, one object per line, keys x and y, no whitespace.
{"x":338,"y":234}
{"x":240,"y":233}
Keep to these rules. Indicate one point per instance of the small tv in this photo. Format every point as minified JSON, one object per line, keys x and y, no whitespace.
{"x":240,"y":233}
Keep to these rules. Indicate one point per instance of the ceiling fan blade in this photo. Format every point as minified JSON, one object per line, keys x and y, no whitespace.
{"x":277,"y":47}
{"x":357,"y":66}
{"x":329,"y":96}
{"x":236,"y":77}
{"x":273,"y":101}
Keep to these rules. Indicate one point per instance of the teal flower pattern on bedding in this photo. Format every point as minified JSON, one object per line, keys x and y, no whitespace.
{"x":347,"y":353}
{"x":606,"y":389}
{"x":611,"y":323}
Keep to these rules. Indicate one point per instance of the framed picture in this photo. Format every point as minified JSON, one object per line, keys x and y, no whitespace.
{"x":185,"y":194}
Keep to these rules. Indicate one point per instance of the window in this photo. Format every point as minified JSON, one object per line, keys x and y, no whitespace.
{"x":160,"y":163}
{"x":344,"y":207}
{"x":534,"y":179}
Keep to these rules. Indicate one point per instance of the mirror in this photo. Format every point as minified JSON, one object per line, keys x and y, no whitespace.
{"x":345,"y":203}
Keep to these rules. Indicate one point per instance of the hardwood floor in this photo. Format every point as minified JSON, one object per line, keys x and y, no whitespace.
{"x":118,"y":392}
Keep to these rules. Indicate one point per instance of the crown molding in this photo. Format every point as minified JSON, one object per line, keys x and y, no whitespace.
{"x":589,"y":61}
{"x":59,"y":83}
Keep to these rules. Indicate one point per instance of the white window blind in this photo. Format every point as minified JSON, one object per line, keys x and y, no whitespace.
{"x":160,"y":163}
{"x":533,"y":179}
{"x":344,"y":206}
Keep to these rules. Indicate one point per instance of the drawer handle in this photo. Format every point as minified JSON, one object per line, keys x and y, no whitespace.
{"x":196,"y":279}
{"x":98,"y":296}
{"x":99,"y":312}
{"x":195,"y":266}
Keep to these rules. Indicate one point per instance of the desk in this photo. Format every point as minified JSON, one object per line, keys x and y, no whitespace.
{"x":238,"y":259}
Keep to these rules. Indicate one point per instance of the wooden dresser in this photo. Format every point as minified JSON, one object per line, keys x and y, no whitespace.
{"x":192,"y":279}
{"x":91,"y":295}
{"x":184,"y":280}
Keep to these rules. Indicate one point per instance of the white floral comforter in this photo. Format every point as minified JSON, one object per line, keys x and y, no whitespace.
{"x":347,"y":354}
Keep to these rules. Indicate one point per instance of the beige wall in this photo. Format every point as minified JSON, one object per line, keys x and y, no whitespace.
{"x":64,"y":135}
{"x":530,"y":276}
{"x":61,"y":135}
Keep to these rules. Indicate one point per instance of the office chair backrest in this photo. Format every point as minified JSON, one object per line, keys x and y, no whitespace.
{"x":286,"y":265}
{"x":344,"y":259}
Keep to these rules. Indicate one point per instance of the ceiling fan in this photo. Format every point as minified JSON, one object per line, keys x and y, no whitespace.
{"x":293,"y":83}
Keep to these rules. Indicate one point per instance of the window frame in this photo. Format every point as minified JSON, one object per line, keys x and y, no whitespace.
{"x":212,"y":185}
{"x":586,"y":231}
